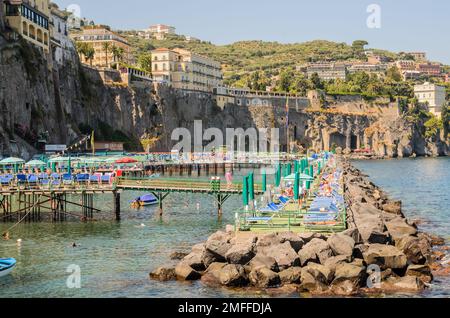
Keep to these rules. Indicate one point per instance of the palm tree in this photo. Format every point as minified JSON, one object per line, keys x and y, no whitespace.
{"x":106,"y":47}
{"x":117,"y":53}
{"x":89,"y":54}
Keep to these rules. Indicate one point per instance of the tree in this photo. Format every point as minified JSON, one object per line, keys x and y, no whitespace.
{"x":316,"y":81}
{"x":106,"y":47}
{"x":432,"y":127}
{"x":394,"y":74}
{"x":118,"y":53}
{"x":89,"y":54}
{"x":445,"y":116}
{"x":145,"y":62}
{"x":359,"y":45}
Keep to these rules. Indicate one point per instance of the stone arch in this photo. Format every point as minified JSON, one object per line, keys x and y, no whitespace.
{"x":25,"y":28}
{"x":45,"y":38}
{"x":336,"y":139}
{"x":39,"y":36}
{"x":32,"y":31}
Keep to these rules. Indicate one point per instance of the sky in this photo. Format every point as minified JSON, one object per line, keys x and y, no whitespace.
{"x":395,"y":25}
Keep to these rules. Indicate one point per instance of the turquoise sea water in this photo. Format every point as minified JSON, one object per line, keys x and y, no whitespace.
{"x":115,"y":258}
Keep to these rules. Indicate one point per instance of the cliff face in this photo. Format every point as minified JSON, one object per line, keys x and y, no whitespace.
{"x":70,"y":100}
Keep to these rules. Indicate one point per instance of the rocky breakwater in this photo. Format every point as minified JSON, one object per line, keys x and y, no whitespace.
{"x":380,"y":252}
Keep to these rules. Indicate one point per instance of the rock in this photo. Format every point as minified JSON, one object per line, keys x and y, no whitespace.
{"x":178,"y":255}
{"x":198,"y":247}
{"x":385,"y":256}
{"x":295,"y":240}
{"x":316,"y":250}
{"x":407,"y":283}
{"x":359,"y":250}
{"x":333,"y":261}
{"x":233,"y":275}
{"x":268,"y":240}
{"x":325,"y":271}
{"x":261,"y":260}
{"x":344,"y":288}
{"x":195,"y":261}
{"x":291,"y":275}
{"x":284,"y":255}
{"x":398,"y":228}
{"x":263,"y":277}
{"x":394,"y":207}
{"x":434,"y":240}
{"x":417,"y":250}
{"x":307,"y":237}
{"x":163,"y":274}
{"x":216,"y":248}
{"x":423,"y":272}
{"x":211,"y":275}
{"x":312,"y":280}
{"x":369,"y":223}
{"x":184,"y":272}
{"x":354,"y":234}
{"x":341,"y":244}
{"x":240,"y":253}
{"x":352,"y":272}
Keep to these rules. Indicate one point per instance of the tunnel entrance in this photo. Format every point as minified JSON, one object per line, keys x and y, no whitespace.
{"x":337,"y":140}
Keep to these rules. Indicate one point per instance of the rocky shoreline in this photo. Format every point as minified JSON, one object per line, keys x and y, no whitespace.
{"x":380,"y":252}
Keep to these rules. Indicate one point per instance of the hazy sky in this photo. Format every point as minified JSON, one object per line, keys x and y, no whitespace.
{"x":406,"y":25}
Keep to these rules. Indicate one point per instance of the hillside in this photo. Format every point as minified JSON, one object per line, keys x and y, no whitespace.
{"x":243,"y":57}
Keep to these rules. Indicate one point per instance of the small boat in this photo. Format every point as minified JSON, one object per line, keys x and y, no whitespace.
{"x":145,"y":200}
{"x":6,"y":266}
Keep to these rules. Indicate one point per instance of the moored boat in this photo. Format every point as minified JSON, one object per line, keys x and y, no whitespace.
{"x":6,"y":266}
{"x":145,"y":200}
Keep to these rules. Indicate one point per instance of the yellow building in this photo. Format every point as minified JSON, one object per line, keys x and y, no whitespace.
{"x":30,"y":18}
{"x":186,"y":70}
{"x":97,"y":36}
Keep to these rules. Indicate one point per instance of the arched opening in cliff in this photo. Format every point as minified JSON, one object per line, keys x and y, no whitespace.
{"x":354,"y":142}
{"x":337,"y":140}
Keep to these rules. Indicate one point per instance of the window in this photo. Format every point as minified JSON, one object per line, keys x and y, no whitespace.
{"x":156,"y":58}
{"x":156,"y":67}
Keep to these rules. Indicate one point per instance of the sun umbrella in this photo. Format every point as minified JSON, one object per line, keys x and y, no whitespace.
{"x":302,"y":176}
{"x":126,"y":160}
{"x":12,"y":161}
{"x":35,"y":163}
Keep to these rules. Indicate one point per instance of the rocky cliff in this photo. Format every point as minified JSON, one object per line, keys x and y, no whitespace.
{"x":70,"y":100}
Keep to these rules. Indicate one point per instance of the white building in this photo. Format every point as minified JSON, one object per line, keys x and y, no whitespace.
{"x":431,"y":94}
{"x":162,"y":28}
{"x":61,"y":44}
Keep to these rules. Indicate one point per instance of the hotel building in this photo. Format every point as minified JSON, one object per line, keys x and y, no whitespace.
{"x":186,"y":70}
{"x":30,"y":18}
{"x":432,"y":95}
{"x":328,"y":71}
{"x":97,"y":36}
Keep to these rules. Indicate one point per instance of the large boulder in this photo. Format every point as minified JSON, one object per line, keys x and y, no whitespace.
{"x":263,"y":277}
{"x":354,"y":234}
{"x":185,"y":272}
{"x":216,"y":248}
{"x":284,"y":254}
{"x":291,"y":275}
{"x":261,"y":260}
{"x":317,"y":250}
{"x":385,"y":256}
{"x":312,"y":280}
{"x":417,"y":250}
{"x":211,"y":275}
{"x":394,"y":207}
{"x":423,"y":272}
{"x":267,"y":240}
{"x":333,"y":261}
{"x":178,"y":255}
{"x":240,"y":253}
{"x":294,"y":239}
{"x":403,"y":284}
{"x":369,"y":222}
{"x":233,"y":275}
{"x":398,"y":228}
{"x":163,"y":274}
{"x":341,"y":244}
{"x":325,"y":271}
{"x":351,"y":272}
{"x":195,"y":261}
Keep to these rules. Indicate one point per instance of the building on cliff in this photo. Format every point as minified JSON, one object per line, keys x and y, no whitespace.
{"x":185,"y":70}
{"x":328,"y":71}
{"x":30,"y":19}
{"x":157,"y":31}
{"x":61,"y":44}
{"x":98,"y":36}
{"x":432,"y":95}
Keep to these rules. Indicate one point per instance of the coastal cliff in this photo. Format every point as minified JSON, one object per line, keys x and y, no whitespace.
{"x":67,"y":101}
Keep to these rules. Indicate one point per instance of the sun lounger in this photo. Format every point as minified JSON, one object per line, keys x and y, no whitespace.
{"x":67,"y":179}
